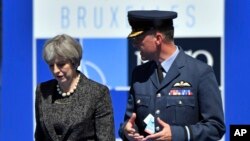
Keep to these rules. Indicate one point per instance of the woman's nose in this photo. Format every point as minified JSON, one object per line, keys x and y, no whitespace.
{"x":55,"y":68}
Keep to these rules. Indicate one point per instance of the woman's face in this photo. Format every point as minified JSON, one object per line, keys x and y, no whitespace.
{"x":63,"y":71}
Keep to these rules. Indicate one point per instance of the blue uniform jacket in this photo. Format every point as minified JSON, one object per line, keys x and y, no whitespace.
{"x":188,"y":99}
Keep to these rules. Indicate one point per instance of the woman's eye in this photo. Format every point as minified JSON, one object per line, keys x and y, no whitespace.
{"x":60,"y":64}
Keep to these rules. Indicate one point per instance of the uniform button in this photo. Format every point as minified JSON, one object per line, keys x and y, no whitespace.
{"x":157,"y":111}
{"x":158,"y":95}
{"x":157,"y":128}
{"x":138,"y":101}
{"x":180,"y":102}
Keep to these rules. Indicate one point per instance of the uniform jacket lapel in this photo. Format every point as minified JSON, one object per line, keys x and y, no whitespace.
{"x":154,"y":76}
{"x":174,"y":70}
{"x":170,"y":76}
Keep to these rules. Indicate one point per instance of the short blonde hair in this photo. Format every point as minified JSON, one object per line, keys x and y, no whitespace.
{"x":62,"y":46}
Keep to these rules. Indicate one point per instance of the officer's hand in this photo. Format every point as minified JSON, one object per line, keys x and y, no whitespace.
{"x":164,"y":135}
{"x":130,"y":131}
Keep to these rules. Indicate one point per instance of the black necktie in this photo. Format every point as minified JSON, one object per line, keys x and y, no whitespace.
{"x":159,"y":71}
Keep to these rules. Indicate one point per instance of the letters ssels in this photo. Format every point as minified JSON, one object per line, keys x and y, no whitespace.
{"x":240,"y":132}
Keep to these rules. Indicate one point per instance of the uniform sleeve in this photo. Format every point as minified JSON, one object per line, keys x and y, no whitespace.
{"x":128,"y":114}
{"x":129,"y":111}
{"x":104,"y":118}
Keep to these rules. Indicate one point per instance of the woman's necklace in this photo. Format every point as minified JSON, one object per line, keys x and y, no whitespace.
{"x":64,"y":94}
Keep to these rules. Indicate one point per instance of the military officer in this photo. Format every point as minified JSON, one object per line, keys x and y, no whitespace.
{"x":173,"y":96}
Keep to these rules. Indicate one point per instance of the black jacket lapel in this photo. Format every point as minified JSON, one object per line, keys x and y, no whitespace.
{"x":47,"y":92}
{"x":74,"y":119}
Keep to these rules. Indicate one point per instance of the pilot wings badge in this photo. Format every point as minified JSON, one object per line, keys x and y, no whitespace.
{"x":182,"y":84}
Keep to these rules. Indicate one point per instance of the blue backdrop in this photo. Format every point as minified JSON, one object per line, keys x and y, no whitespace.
{"x":16,"y":121}
{"x":237,"y":62}
{"x":16,"y":99}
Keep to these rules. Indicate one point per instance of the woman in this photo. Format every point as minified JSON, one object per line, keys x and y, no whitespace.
{"x":71,"y":107}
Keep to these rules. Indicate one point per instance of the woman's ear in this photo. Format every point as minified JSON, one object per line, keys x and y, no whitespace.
{"x":76,"y":66}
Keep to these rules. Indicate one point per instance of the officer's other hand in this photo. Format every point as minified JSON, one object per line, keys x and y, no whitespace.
{"x":129,"y":130}
{"x":164,"y":135}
